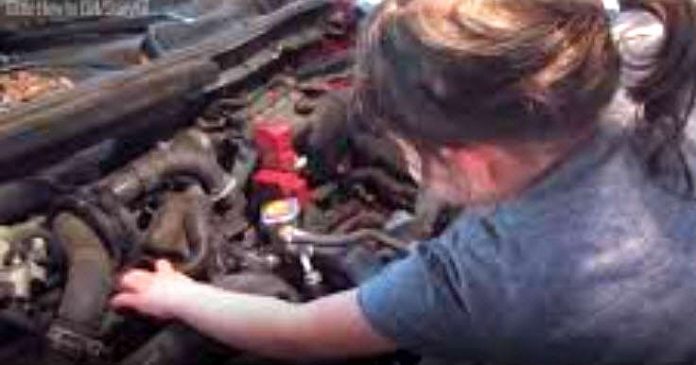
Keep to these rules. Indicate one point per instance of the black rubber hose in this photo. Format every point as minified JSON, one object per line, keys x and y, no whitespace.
{"x":325,"y":136}
{"x":181,"y":230}
{"x":384,"y":181}
{"x":25,"y":196}
{"x":197,"y":233}
{"x":187,"y":155}
{"x":105,"y":218}
{"x":89,"y":277}
{"x":363,"y":219}
{"x":244,"y":163}
{"x":177,"y":344}
{"x":19,"y":322}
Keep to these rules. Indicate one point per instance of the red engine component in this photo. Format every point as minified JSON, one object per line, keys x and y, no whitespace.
{"x":286,"y":184}
{"x":279,"y":160}
{"x":274,"y":141}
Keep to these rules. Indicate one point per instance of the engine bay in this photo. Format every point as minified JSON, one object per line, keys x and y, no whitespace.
{"x":266,"y":185}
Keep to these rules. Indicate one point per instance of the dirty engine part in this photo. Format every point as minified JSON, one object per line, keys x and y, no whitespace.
{"x":234,"y":156}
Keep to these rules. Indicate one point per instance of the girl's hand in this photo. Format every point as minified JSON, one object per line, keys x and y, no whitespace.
{"x":155,"y":293}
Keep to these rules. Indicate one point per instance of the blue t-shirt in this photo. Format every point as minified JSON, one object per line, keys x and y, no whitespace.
{"x":594,"y":265}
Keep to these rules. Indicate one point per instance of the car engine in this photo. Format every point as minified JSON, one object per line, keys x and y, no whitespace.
{"x":229,"y":151}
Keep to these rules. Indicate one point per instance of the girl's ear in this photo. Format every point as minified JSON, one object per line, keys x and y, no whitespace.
{"x":476,"y":162}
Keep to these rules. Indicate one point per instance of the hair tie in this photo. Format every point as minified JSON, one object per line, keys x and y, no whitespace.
{"x":612,"y":8}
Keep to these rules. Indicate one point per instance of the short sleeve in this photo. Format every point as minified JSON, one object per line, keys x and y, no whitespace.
{"x":416,"y":302}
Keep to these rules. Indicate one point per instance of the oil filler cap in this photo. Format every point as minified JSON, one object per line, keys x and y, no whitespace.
{"x":280,"y":212}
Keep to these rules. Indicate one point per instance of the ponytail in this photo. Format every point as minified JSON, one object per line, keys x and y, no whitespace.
{"x":668,"y":90}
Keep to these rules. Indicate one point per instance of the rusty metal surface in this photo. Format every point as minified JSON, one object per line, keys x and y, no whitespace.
{"x":22,"y":86}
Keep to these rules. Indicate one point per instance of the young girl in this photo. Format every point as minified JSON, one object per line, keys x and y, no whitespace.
{"x":579,"y":241}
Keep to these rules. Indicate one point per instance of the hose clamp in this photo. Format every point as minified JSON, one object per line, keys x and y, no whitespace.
{"x":229,"y":187}
{"x":74,"y":344}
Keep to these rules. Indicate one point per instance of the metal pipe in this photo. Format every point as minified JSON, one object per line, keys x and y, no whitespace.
{"x":298,"y":236}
